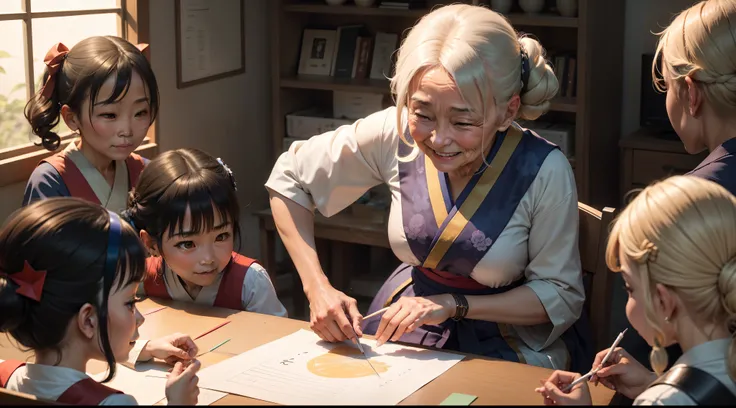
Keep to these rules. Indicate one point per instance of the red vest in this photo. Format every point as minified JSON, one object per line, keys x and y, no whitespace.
{"x":228,"y":294}
{"x":83,"y":392}
{"x":78,"y":186}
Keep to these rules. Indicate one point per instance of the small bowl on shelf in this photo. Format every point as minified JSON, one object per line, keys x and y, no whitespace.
{"x":531,"y":6}
{"x":501,"y":6}
{"x":567,"y":8}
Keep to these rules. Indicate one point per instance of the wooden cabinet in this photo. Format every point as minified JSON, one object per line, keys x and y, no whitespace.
{"x":595,"y":36}
{"x":645,"y":158}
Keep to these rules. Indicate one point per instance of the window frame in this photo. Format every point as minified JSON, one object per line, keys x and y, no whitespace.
{"x":17,"y":162}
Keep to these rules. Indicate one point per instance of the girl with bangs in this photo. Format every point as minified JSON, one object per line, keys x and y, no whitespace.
{"x":187,"y":211}
{"x":105,"y":91}
{"x":81,"y":309}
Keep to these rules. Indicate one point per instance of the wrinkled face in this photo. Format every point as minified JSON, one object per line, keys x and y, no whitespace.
{"x":443,"y":125}
{"x":116,"y":129}
{"x":686,"y":126}
{"x":124,"y":320}
{"x":199,"y":258}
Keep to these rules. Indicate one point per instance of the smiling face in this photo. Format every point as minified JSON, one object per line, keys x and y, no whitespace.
{"x":445,"y":127}
{"x":199,"y":258}
{"x":113,"y":130}
{"x":124,"y":320}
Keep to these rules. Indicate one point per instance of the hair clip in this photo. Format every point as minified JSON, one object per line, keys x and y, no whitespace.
{"x":525,"y":70}
{"x":229,"y":173}
{"x":29,"y":280}
{"x":651,"y":251}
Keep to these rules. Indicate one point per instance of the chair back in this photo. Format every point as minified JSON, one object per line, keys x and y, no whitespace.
{"x":594,"y":230}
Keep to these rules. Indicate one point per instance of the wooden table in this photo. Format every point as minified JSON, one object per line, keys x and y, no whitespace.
{"x":493,"y":381}
{"x":333,"y":236}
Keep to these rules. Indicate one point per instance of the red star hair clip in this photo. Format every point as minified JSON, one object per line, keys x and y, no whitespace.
{"x":29,"y":280}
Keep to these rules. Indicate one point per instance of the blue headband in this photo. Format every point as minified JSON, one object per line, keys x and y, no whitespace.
{"x":115,"y":232}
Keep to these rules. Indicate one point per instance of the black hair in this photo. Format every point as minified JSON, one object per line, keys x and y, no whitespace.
{"x":179,"y":179}
{"x":68,"y":238}
{"x":84,"y":70}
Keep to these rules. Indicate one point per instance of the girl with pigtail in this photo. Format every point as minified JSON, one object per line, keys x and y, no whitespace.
{"x":105,"y":91}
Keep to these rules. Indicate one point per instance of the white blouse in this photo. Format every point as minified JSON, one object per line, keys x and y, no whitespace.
{"x":258,"y":294}
{"x":49,"y":382}
{"x":330,"y":171}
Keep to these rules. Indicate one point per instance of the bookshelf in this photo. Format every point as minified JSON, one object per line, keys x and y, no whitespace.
{"x":595,"y":36}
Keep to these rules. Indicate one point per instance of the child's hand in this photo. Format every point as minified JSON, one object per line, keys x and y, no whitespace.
{"x":622,"y":373}
{"x":551,"y":389}
{"x":172,"y":348}
{"x":181,"y":387}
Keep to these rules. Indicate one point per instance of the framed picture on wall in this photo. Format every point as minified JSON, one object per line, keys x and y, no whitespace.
{"x":210,"y":40}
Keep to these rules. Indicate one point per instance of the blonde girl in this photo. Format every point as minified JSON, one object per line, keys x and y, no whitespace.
{"x":675,"y":246}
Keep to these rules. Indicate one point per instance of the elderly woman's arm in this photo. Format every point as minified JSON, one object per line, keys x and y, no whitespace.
{"x":295,"y":225}
{"x":328,"y":172}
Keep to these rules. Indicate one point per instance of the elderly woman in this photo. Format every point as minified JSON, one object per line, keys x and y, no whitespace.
{"x":483,"y":212}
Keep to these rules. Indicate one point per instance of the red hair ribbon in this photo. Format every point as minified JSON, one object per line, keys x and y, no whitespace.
{"x":30,"y":281}
{"x":53,"y":59}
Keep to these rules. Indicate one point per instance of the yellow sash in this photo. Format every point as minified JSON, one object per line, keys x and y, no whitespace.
{"x":471,"y":204}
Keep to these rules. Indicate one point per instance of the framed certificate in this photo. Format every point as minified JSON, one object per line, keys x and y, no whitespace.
{"x":210,"y":40}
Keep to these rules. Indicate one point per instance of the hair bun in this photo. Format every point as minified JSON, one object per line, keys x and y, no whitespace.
{"x":14,"y":306}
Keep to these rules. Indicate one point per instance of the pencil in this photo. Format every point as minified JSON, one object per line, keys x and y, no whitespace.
{"x":215,"y":347}
{"x":212,"y":329}
{"x":376,"y":313}
{"x":603,"y":362}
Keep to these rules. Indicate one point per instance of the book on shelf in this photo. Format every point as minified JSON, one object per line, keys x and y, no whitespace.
{"x":384,"y":47}
{"x":564,"y":65}
{"x":347,"y":52}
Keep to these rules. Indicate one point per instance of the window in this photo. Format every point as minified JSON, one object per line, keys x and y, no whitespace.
{"x":28,"y":29}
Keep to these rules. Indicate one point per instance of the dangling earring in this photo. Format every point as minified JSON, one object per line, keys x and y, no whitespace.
{"x":658,"y":357}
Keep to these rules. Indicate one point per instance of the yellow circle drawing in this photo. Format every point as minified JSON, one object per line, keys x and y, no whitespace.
{"x":344,"y":362}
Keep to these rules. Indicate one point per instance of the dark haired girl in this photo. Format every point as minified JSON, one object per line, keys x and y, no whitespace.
{"x":68,"y":276}
{"x":105,"y":91}
{"x":187,"y":211}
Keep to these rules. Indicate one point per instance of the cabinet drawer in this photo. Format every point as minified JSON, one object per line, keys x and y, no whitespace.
{"x":649,"y":166}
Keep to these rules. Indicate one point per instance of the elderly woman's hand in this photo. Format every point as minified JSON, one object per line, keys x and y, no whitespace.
{"x":329,"y":310}
{"x":408,"y":313}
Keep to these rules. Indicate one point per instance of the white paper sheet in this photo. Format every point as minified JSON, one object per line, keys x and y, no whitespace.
{"x":300,"y":369}
{"x":147,"y":384}
{"x":146,"y":390}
